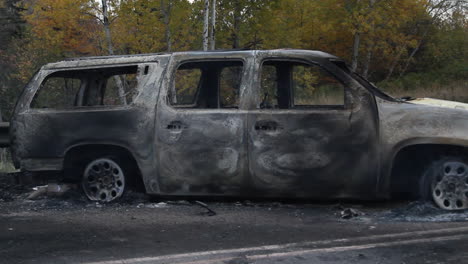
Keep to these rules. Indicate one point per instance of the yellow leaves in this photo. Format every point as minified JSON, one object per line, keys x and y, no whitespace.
{"x":140,"y":27}
{"x":62,"y":25}
{"x":387,"y":28}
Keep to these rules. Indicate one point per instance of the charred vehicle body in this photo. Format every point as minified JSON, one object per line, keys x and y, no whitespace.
{"x":274,"y":123}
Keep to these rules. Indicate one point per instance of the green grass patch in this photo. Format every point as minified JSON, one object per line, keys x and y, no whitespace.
{"x":6,"y":165}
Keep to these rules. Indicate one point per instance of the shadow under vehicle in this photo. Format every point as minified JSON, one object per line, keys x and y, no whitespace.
{"x":270,"y":123}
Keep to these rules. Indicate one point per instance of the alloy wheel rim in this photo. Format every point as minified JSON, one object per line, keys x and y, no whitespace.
{"x":103,"y":180}
{"x":450,"y":186}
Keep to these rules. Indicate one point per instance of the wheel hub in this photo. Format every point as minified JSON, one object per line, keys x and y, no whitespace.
{"x":450,"y":186}
{"x":103,"y":180}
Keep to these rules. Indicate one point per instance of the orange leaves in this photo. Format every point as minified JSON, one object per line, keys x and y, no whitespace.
{"x":62,"y":24}
{"x":138,"y":27}
{"x":388,"y":30}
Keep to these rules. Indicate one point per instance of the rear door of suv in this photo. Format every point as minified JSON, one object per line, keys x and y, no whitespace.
{"x":200,"y":127}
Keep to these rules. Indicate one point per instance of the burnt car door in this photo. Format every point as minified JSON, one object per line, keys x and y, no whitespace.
{"x":313,"y":132}
{"x":200,"y":127}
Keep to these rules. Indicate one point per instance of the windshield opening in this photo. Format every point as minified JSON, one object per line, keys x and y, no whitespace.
{"x":342,"y":65}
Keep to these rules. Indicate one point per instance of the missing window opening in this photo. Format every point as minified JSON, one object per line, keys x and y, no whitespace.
{"x":208,"y":84}
{"x":289,"y":85}
{"x":90,"y":87}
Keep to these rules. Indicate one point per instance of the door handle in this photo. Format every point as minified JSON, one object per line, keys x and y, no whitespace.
{"x":176,"y":125}
{"x":267,"y":126}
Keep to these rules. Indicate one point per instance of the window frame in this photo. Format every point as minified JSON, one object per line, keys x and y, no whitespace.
{"x":141,"y":69}
{"x":195,"y":98}
{"x":171,"y":87}
{"x":41,"y":86}
{"x":291,"y":90}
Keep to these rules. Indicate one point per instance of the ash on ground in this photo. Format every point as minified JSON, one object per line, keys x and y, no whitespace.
{"x":9,"y":189}
{"x":423,"y":211}
{"x":13,"y":199}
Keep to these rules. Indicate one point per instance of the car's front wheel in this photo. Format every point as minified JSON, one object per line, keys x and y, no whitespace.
{"x":446,"y":183}
{"x":103,"y":179}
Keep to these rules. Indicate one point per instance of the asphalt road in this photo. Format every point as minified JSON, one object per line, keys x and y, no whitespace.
{"x":139,"y":229}
{"x":71,"y":230}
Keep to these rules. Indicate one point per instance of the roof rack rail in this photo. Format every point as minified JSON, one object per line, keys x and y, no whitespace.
{"x":227,"y":50}
{"x":114,"y":56}
{"x":146,"y":54}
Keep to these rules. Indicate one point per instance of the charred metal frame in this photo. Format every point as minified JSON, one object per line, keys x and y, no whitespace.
{"x":325,"y":152}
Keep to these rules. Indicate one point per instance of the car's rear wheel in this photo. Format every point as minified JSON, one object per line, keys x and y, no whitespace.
{"x":446,"y":183}
{"x":104,"y":179}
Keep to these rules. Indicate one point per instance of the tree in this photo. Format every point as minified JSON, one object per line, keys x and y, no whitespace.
{"x":239,"y":22}
{"x":213,"y":26}
{"x":435,"y":11}
{"x":166,"y":7}
{"x":381,"y":38}
{"x":206,"y":27}
{"x":62,"y":25}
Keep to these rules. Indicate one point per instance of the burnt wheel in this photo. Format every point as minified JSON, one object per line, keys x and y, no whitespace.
{"x":446,"y":183}
{"x":103,"y":180}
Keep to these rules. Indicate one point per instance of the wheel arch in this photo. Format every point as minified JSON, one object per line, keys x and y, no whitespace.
{"x":412,"y":158}
{"x":79,"y":152}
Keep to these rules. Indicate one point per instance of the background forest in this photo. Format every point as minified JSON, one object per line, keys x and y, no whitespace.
{"x":407,"y":47}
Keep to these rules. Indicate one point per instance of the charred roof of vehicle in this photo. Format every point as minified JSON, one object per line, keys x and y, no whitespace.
{"x":151,"y":57}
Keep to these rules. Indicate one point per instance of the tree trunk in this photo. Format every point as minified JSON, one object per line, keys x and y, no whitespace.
{"x":365,"y":67}
{"x":213,"y":26}
{"x":370,"y":45}
{"x":206,"y":24}
{"x":415,"y":50}
{"x":110,"y":49}
{"x":357,"y":39}
{"x":394,"y":63}
{"x":237,"y":22}
{"x":106,"y":24}
{"x":166,"y":8}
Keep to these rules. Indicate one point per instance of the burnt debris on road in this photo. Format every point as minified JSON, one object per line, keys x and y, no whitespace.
{"x":16,"y":197}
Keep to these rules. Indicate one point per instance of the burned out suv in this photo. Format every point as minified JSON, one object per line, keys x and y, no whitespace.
{"x":270,"y":123}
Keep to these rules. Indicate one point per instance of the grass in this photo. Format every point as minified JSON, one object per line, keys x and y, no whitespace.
{"x":6,"y":165}
{"x":453,"y":91}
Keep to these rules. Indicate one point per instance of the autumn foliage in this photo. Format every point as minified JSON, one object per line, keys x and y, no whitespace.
{"x":385,"y":40}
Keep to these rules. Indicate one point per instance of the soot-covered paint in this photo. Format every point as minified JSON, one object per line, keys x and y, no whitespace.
{"x":335,"y":152}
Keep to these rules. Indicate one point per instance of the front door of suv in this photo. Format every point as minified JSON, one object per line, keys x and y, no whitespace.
{"x":313,"y":133}
{"x":200,"y":142}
